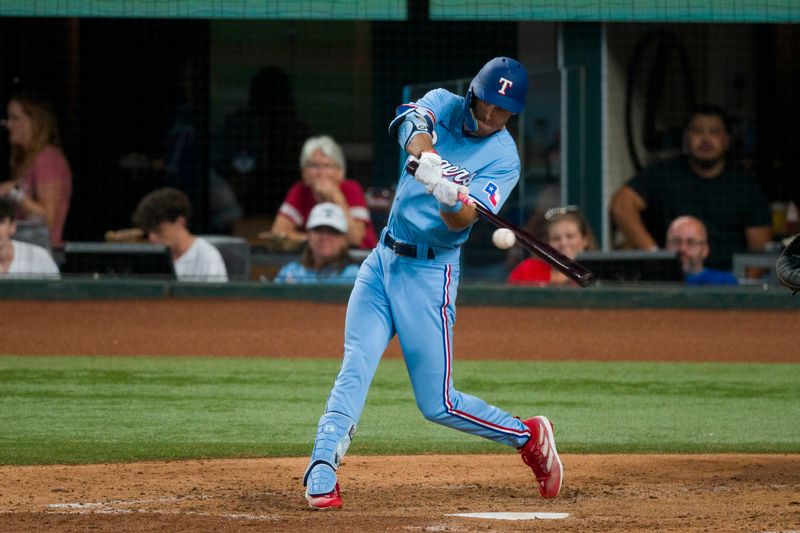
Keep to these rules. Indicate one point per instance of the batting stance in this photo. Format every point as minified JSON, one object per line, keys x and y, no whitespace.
{"x":407,"y":286}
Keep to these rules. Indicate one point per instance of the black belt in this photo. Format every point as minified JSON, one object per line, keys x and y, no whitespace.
{"x":402,"y":248}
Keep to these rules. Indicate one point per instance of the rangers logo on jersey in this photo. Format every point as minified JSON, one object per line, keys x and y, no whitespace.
{"x":492,"y":193}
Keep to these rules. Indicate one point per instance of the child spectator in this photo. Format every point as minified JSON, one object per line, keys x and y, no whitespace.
{"x":21,"y":259}
{"x":163,"y":215}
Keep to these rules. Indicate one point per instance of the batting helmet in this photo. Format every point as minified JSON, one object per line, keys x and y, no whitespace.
{"x":503,"y":82}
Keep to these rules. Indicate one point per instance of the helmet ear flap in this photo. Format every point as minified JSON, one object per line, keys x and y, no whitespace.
{"x":470,"y":122}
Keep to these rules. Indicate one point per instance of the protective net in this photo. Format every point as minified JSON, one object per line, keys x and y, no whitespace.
{"x":217,"y":98}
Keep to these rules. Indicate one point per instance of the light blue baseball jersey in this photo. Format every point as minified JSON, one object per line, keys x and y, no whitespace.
{"x":413,"y":297}
{"x":489,"y":166}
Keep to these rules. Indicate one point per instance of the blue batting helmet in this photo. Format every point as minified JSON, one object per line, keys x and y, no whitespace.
{"x":503,"y":82}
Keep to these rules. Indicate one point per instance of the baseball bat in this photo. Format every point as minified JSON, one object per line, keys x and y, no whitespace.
{"x":572,"y":269}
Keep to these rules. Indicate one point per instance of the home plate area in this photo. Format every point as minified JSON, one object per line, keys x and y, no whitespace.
{"x":514,"y":516}
{"x":422,"y":493}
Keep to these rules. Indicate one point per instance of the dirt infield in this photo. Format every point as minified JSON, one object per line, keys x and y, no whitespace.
{"x":756,"y":493}
{"x":258,"y":327}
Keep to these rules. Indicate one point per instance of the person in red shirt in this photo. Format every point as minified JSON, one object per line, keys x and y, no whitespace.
{"x":41,"y":180}
{"x":567,"y":232}
{"x":323,"y":170}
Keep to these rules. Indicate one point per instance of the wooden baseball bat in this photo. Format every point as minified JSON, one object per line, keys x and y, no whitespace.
{"x":572,"y":269}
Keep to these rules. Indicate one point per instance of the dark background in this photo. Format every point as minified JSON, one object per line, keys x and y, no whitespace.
{"x":116,"y":83}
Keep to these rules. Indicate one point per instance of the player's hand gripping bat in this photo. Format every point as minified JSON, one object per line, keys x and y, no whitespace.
{"x":572,"y":269}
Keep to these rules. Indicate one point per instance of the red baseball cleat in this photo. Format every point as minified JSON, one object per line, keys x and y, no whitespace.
{"x":331,"y":500}
{"x":540,"y":454}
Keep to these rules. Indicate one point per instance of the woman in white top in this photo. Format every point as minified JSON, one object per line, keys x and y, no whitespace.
{"x":163,"y":215}
{"x":20,"y":259}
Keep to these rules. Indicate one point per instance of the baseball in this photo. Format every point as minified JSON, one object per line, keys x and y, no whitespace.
{"x":503,"y":238}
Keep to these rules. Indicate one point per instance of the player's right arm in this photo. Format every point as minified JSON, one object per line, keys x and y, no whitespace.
{"x":413,"y":129}
{"x":419,"y":144}
{"x":626,"y":211}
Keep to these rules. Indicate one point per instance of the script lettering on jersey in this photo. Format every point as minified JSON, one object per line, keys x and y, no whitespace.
{"x":458,"y":175}
{"x":505,"y":84}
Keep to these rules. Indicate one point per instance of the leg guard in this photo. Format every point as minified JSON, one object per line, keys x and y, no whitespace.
{"x":334,"y":433}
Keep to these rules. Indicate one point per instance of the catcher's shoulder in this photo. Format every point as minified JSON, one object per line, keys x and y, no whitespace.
{"x":787,"y":267}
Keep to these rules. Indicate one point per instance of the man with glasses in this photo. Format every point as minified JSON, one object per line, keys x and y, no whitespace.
{"x":687,"y":235}
{"x":703,"y":184}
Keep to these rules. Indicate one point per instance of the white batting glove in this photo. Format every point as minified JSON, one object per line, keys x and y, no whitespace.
{"x":429,"y":171}
{"x":447,"y":192}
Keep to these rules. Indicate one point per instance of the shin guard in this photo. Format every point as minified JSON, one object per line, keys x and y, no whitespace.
{"x":334,"y":433}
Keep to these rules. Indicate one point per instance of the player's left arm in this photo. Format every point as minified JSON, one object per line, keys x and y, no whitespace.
{"x":464,"y":217}
{"x":419,"y":144}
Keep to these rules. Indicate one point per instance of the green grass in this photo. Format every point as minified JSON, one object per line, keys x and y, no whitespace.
{"x":96,"y":409}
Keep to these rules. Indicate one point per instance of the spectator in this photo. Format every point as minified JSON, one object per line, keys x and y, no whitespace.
{"x":567,"y":232}
{"x":41,"y":180}
{"x":163,"y":215}
{"x":20,"y":259}
{"x":325,"y":259}
{"x":704,"y":185}
{"x":259,"y":143}
{"x":687,"y":235}
{"x":323,"y":169}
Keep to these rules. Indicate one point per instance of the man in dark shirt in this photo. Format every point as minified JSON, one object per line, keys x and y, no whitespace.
{"x":704,"y":185}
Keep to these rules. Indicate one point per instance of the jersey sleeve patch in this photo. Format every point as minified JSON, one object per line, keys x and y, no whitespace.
{"x":492,"y":192}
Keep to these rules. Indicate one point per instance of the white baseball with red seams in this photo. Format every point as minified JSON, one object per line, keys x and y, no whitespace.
{"x":504,"y":238}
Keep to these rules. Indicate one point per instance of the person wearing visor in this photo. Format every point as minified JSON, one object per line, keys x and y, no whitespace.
{"x":325,"y":258}
{"x":408,"y":284}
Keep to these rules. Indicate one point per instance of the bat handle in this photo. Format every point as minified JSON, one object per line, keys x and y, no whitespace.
{"x":411,"y":168}
{"x":465,"y":199}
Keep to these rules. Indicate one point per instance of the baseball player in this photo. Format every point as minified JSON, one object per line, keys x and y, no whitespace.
{"x":407,"y":285}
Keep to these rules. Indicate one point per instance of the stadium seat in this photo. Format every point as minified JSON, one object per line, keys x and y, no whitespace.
{"x":236,"y":254}
{"x":34,"y":233}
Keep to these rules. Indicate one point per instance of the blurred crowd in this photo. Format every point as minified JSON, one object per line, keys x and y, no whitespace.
{"x":699,"y":205}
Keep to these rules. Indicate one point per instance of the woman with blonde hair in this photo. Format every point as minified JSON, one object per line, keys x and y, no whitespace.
{"x":569,"y":233}
{"x":41,"y":180}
